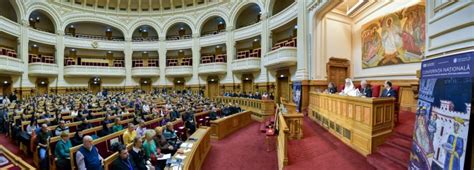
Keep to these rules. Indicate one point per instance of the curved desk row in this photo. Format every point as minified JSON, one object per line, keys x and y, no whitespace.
{"x":261,"y":109}
{"x":15,"y":162}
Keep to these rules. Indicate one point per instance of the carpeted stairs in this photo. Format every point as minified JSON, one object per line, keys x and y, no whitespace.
{"x":394,"y":154}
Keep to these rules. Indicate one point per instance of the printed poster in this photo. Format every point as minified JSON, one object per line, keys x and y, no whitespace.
{"x":297,"y":95}
{"x":442,"y":123}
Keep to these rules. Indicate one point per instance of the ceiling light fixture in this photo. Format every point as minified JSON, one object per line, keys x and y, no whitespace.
{"x":5,"y":82}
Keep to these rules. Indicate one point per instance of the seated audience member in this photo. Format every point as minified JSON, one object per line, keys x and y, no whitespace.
{"x":349,"y":89}
{"x":32,"y":126}
{"x":77,"y":138}
{"x":170,"y":134}
{"x":123,"y":161}
{"x":105,"y":130}
{"x":165,"y":120}
{"x":85,"y":124}
{"x":331,"y":88}
{"x":162,"y":143}
{"x":149,"y":146}
{"x":141,"y":129}
{"x":388,"y":91}
{"x":61,"y":128}
{"x":117,"y":126}
{"x":174,"y":114}
{"x":43,"y":138}
{"x":61,"y":151}
{"x":365,"y":89}
{"x":129,"y":134}
{"x":88,"y":157}
{"x":137,"y":154}
{"x":213,"y":114}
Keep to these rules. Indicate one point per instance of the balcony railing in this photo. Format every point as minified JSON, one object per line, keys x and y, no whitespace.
{"x":213,"y":68}
{"x":281,"y":57}
{"x":177,"y":37}
{"x":96,"y":37}
{"x":43,"y":69}
{"x":10,"y":65}
{"x":76,"y":70}
{"x":246,"y":65}
{"x":176,"y":71}
{"x":145,"y":71}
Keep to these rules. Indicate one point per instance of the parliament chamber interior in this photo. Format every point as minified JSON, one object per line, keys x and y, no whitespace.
{"x":236,"y":84}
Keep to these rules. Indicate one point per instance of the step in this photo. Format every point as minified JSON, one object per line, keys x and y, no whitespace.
{"x":382,"y":163}
{"x":399,"y":156}
{"x":399,"y":142}
{"x":402,"y":135}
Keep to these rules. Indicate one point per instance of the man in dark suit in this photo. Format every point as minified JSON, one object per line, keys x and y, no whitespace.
{"x":388,"y":91}
{"x":332,"y":88}
{"x":123,"y":162}
{"x":365,"y":89}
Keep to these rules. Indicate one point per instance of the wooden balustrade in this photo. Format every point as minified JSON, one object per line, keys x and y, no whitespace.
{"x":261,"y":109}
{"x":361,"y":123}
{"x":15,"y":161}
{"x":201,"y":140}
{"x":295,"y":125}
{"x":282,"y":142}
{"x":223,"y":127}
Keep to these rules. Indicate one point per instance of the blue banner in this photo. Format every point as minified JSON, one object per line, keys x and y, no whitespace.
{"x":297,"y":95}
{"x":443,"y":116}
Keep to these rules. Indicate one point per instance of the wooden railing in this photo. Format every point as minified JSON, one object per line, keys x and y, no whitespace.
{"x":15,"y":161}
{"x":282,"y":142}
{"x":261,"y":109}
{"x":361,"y":123}
{"x":295,"y":125}
{"x":222,"y":127}
{"x":201,"y":140}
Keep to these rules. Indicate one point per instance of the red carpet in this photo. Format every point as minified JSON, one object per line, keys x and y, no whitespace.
{"x":321,"y":150}
{"x":244,"y":149}
{"x":15,"y":148}
{"x":395,"y":152}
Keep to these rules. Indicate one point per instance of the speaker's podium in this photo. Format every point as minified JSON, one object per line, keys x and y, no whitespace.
{"x":362,"y":123}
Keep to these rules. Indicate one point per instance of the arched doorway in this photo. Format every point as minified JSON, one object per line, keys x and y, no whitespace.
{"x":283,"y":85}
{"x":212,"y":86}
{"x":95,"y":85}
{"x":5,"y":86}
{"x":178,"y":84}
{"x":42,"y":85}
{"x":145,"y":84}
{"x":247,"y":83}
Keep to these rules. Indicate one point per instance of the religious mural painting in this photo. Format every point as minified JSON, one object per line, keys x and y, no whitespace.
{"x":440,"y":137}
{"x":396,"y":38}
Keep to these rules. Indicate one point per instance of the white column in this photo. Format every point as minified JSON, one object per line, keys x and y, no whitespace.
{"x":162,"y":58}
{"x":302,"y":49}
{"x":128,"y":62}
{"x":196,"y":51}
{"x":23,"y":55}
{"x":264,"y":45}
{"x":59,"y":56}
{"x":230,"y":50}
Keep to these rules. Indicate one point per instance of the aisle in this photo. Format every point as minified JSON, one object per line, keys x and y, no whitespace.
{"x":244,"y":149}
{"x":321,"y":150}
{"x":15,"y":149}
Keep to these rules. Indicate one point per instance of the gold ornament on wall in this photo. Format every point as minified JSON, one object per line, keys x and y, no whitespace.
{"x":95,"y":44}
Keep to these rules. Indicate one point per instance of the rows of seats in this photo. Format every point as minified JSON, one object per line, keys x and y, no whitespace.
{"x":8,"y":52}
{"x":141,"y":39}
{"x":150,"y":63}
{"x":177,"y":37}
{"x":95,"y":37}
{"x":285,"y":43}
{"x":219,"y":58}
{"x":252,"y":53}
{"x":175,"y":62}
{"x":40,"y":58}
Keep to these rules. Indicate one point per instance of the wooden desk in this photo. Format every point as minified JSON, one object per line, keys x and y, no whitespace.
{"x":361,"y":123}
{"x":261,"y":109}
{"x":15,"y":161}
{"x":223,"y":127}
{"x":195,"y":158}
{"x":282,"y":142}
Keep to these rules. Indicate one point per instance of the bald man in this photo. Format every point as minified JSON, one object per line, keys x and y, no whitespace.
{"x":88,"y":156}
